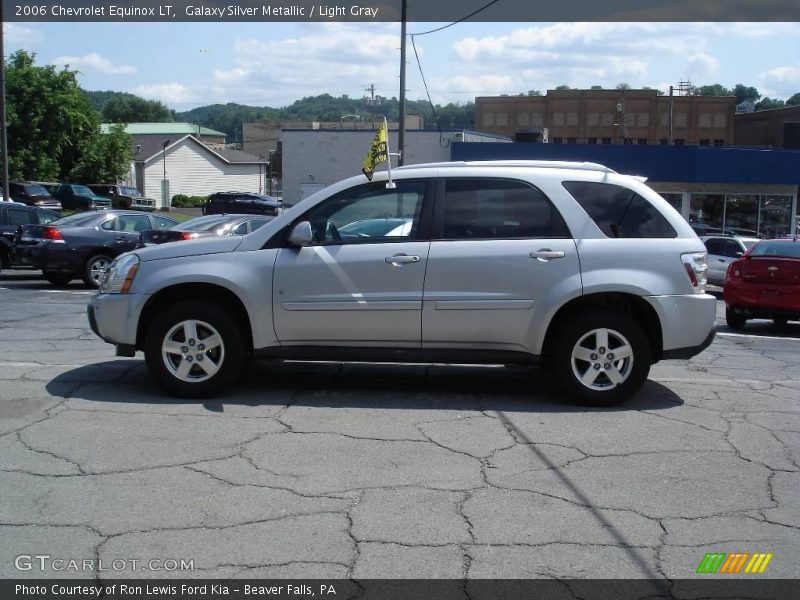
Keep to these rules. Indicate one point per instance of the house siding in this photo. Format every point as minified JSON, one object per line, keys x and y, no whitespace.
{"x":194,"y":171}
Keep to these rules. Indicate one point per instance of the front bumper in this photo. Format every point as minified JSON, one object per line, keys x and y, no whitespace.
{"x":115,"y":317}
{"x":688,"y":323}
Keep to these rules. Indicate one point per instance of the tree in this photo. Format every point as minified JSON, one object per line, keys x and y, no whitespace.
{"x":107,"y":160}
{"x":125,"y":109}
{"x":743,"y":92}
{"x":562,"y":87}
{"x":794,"y":100}
{"x":623,"y":86}
{"x":596,"y":87}
{"x":534,"y":93}
{"x":711,"y":90}
{"x":769,"y":103}
{"x":50,"y":120}
{"x":52,"y":128}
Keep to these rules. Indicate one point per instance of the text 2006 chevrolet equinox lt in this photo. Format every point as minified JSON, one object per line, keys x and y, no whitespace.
{"x":570,"y":264}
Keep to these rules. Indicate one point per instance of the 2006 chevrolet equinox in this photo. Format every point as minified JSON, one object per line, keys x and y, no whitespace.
{"x":570,"y":264}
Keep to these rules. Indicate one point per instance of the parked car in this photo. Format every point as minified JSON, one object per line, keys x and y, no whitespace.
{"x":79,"y":197}
{"x":242,"y":203}
{"x":207,"y":226}
{"x":12,"y":215}
{"x":124,"y":197}
{"x":32,"y":194}
{"x":722,"y":251}
{"x":764,"y":284}
{"x":569,"y":264}
{"x":83,"y":244}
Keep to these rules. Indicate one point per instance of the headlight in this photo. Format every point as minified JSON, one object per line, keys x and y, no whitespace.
{"x":119,"y":276}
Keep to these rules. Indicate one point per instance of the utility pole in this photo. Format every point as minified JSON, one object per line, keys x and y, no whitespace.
{"x":671,"y":108}
{"x":401,"y":133}
{"x":4,"y":142}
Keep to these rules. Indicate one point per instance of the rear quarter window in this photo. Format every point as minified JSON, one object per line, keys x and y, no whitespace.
{"x":618,"y":211}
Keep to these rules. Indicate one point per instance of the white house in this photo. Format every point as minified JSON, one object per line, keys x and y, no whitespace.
{"x":192,"y":168}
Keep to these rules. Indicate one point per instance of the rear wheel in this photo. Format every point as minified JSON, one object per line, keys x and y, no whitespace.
{"x":601,"y":358}
{"x":193,"y":349}
{"x":58,"y":278}
{"x":94,"y":268}
{"x":734,"y":321}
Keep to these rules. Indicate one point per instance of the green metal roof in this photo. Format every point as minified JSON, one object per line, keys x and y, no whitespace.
{"x":163,"y":129}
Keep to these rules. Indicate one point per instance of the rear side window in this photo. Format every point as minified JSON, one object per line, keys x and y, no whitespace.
{"x":19,"y":217}
{"x":715,"y":246}
{"x":498,"y":209}
{"x":620,"y":212}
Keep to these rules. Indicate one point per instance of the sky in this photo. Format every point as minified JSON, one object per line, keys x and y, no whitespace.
{"x":186,"y":65}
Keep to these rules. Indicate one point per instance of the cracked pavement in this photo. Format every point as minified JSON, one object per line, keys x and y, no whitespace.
{"x":323,"y":470}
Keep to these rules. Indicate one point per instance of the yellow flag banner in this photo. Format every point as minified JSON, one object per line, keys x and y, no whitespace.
{"x":378,"y":152}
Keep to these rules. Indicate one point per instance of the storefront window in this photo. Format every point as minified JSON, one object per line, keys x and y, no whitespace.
{"x":741,"y":214}
{"x":774,"y":215}
{"x":707,"y":210}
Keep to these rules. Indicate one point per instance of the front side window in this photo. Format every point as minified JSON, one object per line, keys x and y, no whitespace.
{"x":732,"y":248}
{"x":715,"y":246}
{"x":498,"y":209}
{"x":369,"y":213}
{"x":618,"y":211}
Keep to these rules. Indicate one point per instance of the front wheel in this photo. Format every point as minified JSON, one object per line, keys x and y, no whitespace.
{"x":601,"y":358}
{"x":193,"y":349}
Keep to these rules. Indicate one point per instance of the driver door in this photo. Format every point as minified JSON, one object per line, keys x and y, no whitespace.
{"x":361,"y":285}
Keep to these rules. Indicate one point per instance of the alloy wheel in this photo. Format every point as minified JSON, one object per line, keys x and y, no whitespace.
{"x":193,"y":351}
{"x":602,"y":359}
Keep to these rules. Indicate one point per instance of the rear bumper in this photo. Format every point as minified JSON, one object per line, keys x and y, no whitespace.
{"x":765,"y":312}
{"x":688,"y":323}
{"x":47,"y":256}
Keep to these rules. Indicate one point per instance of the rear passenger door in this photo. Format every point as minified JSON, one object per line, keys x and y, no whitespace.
{"x":500,"y":254}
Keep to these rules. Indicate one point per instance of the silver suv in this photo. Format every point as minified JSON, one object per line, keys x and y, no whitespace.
{"x":569,"y":264}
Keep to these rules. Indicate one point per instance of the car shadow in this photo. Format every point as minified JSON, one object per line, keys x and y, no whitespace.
{"x":764,"y":327}
{"x":354,"y":385}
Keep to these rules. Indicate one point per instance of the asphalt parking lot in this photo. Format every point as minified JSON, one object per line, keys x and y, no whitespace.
{"x":365,"y":471}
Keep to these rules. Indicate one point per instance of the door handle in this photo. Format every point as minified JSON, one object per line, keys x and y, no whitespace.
{"x":546,"y":254}
{"x":401,"y":259}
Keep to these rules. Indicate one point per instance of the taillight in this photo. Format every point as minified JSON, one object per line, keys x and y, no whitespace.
{"x":185,"y":235}
{"x":696,"y":266}
{"x":52,"y":234}
{"x":733,"y":271}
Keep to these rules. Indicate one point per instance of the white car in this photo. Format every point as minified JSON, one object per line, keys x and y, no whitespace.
{"x":567,"y":264}
{"x":722,"y":251}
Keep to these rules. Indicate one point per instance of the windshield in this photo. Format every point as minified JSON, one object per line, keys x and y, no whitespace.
{"x":82,"y":190}
{"x":36,"y":190}
{"x":78,"y":219}
{"x":749,"y":243}
{"x":770,"y":249}
{"x":130,"y":191}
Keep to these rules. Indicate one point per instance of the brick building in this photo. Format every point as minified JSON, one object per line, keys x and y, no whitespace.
{"x":610,"y":117}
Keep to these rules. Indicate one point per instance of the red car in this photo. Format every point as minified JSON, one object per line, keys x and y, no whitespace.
{"x":764,"y":284}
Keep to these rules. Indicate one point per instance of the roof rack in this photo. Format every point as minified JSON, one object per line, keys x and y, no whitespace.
{"x":538,"y":164}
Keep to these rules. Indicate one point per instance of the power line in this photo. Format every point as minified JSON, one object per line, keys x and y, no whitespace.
{"x":472,"y":14}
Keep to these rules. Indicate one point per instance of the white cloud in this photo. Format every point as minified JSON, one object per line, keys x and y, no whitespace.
{"x":95,"y":63}
{"x":780,"y":82}
{"x":168,"y":93}
{"x":336,"y":58}
{"x":23,"y":37}
{"x":702,"y":64}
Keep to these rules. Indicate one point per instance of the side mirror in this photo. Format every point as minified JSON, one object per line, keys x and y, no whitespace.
{"x":301,"y":235}
{"x":739,"y":254}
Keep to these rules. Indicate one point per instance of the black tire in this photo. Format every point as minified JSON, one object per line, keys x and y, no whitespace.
{"x":58,"y":278}
{"x":780,"y":321}
{"x":92,"y":267}
{"x":576,"y":335}
{"x":169,"y":327}
{"x":734,"y":320}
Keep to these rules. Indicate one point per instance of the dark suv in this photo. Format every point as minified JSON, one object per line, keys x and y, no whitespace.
{"x":32,"y":194}
{"x":242,"y":203}
{"x":79,"y":197}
